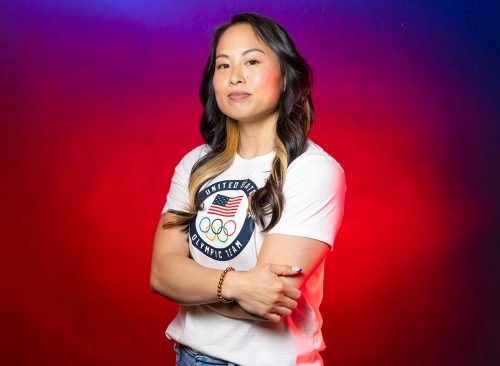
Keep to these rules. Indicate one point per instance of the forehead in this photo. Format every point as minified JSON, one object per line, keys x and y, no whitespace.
{"x":240,"y":37}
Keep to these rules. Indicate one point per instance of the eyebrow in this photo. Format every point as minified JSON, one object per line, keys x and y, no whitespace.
{"x":243,"y":53}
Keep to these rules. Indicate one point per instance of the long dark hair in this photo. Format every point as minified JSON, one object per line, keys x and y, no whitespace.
{"x":296,"y":113}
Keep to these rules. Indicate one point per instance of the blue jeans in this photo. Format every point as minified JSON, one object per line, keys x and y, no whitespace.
{"x":185,"y":356}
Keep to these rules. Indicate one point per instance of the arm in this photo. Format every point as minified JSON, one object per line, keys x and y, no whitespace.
{"x":262,"y":294}
{"x":307,"y":253}
{"x":311,"y":217}
{"x":234,"y":310}
{"x":176,"y":276}
{"x":277,"y":248}
{"x":180,"y":279}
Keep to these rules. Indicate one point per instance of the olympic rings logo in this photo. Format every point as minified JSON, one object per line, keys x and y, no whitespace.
{"x":217,"y":229}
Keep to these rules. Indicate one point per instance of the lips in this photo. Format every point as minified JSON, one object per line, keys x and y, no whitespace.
{"x":238,"y":95}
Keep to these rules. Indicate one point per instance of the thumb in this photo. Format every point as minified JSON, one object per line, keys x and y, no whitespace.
{"x":284,"y":270}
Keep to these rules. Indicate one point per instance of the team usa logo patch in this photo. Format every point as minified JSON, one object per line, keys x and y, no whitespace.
{"x":222,"y":229}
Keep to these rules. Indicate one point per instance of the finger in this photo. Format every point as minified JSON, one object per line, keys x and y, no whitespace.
{"x":292,"y":292}
{"x":273,"y":317}
{"x":288,"y":303}
{"x":282,"y":311}
{"x":284,"y":269}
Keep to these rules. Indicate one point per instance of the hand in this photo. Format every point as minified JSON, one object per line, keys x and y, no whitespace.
{"x":260,"y":291}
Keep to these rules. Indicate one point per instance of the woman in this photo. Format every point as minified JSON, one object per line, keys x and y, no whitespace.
{"x":247,"y":208}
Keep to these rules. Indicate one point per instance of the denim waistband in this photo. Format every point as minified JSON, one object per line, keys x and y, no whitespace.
{"x":198,"y":358}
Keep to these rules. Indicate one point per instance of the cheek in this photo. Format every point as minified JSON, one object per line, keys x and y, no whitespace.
{"x":216,"y":83}
{"x":271,"y":84}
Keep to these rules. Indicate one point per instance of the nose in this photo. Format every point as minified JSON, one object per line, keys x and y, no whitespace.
{"x":236,"y":76}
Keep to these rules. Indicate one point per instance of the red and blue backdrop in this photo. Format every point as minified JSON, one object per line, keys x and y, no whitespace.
{"x":99,"y":101}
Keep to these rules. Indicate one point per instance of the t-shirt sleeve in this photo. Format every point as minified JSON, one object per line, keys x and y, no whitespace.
{"x":178,"y":195}
{"x":314,"y":193}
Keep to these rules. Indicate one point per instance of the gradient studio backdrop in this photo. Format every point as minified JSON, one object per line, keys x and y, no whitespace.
{"x":99,"y":101}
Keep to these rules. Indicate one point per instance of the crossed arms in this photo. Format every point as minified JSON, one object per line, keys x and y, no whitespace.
{"x":266,"y":291}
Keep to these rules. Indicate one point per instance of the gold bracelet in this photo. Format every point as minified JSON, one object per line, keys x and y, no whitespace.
{"x":219,"y":288}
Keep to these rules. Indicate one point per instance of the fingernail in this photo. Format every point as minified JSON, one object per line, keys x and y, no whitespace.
{"x":296,"y":269}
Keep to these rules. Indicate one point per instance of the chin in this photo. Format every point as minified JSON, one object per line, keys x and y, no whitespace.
{"x":237,"y":116}
{"x":244,"y":114}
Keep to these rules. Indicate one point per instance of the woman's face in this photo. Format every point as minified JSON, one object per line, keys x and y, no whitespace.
{"x":244,"y":64}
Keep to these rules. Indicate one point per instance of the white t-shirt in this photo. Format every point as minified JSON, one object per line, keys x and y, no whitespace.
{"x":223,"y":234}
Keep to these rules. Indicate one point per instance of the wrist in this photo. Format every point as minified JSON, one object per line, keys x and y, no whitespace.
{"x":231,"y":284}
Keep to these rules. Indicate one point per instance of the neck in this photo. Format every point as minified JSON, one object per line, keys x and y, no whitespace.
{"x":257,"y":137}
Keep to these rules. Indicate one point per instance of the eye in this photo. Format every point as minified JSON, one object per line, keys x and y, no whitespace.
{"x":225,"y":66}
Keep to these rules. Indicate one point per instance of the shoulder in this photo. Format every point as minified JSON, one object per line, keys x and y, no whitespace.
{"x":316,"y":162}
{"x":191,"y":157}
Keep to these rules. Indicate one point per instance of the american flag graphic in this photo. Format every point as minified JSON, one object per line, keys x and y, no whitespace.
{"x":224,"y":205}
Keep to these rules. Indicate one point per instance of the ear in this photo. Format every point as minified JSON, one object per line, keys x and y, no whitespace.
{"x":284,"y":83}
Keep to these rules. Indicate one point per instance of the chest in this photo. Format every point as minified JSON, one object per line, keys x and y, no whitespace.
{"x":223,"y":233}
